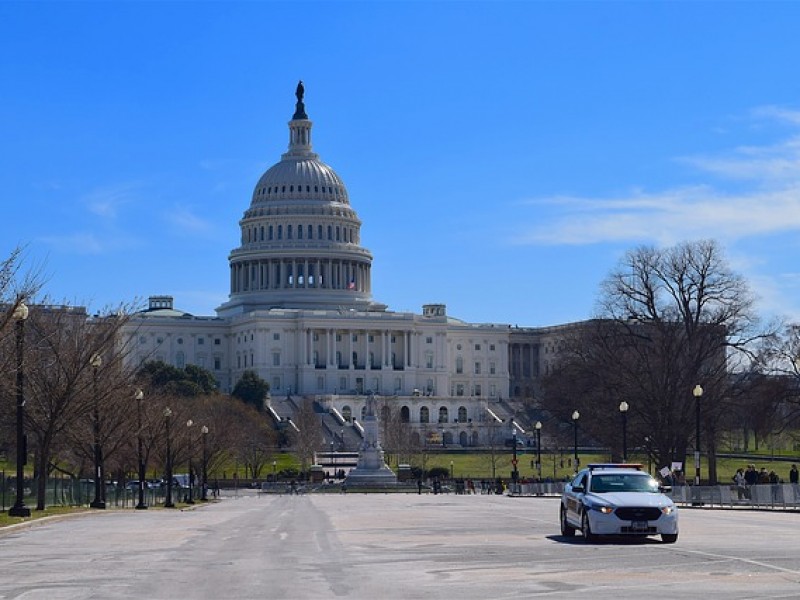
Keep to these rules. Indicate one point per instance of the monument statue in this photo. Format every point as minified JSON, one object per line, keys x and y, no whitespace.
{"x":300,"y":108}
{"x":371,"y":469}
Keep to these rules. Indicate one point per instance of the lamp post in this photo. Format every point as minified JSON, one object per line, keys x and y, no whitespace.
{"x":189,"y":499}
{"x":341,"y":440}
{"x":139,"y":396}
{"x":575,"y":416}
{"x":514,"y":472}
{"x":451,"y":469}
{"x":538,"y":428}
{"x":623,"y":410}
{"x":99,"y":502}
{"x":697,"y":392}
{"x":19,"y":509}
{"x":274,"y":474}
{"x":168,"y":500}
{"x":204,"y":496}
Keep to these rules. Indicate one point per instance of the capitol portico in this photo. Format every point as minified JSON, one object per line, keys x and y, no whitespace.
{"x":300,"y":314}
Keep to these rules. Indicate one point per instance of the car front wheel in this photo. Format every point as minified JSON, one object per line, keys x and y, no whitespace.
{"x":586,"y":528}
{"x":567,"y":530}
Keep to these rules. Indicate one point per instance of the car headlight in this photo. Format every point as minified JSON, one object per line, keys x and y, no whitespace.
{"x":668,"y":510}
{"x":603,"y":508}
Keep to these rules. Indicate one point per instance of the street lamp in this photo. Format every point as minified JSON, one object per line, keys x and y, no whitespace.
{"x":274,"y":474}
{"x":697,"y":392}
{"x":168,"y":500}
{"x":575,"y":416}
{"x":514,"y":472}
{"x":189,"y":499}
{"x":139,"y":396}
{"x":451,"y":469}
{"x":538,"y":428}
{"x":99,"y":502}
{"x":623,"y":409}
{"x":19,"y":509}
{"x":204,"y":496}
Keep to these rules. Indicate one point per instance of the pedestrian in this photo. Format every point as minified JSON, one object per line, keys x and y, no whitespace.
{"x":741,"y":483}
{"x":793,"y":473}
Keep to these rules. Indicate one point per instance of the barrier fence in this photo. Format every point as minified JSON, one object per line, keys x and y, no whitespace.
{"x":778,"y":496}
{"x":80,"y":492}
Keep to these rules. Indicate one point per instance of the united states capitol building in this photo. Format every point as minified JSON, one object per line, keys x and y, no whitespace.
{"x":302,"y":316}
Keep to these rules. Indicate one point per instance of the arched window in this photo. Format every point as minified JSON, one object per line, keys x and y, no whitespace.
{"x":330,"y":232}
{"x":288,"y":232}
{"x":475,"y":438}
{"x":463,"y":439}
{"x":319,"y":232}
{"x":462,"y":414}
{"x":310,"y":231}
{"x":459,"y":364}
{"x":299,"y":232}
{"x":424,"y":415}
{"x":347,"y":413}
{"x":443,"y":414}
{"x":270,"y":232}
{"x":280,"y":232}
{"x":405,"y":414}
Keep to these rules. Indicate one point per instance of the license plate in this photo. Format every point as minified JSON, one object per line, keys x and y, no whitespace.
{"x":639,"y":525}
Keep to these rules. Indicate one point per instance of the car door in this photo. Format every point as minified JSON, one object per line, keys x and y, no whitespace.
{"x":575,"y":498}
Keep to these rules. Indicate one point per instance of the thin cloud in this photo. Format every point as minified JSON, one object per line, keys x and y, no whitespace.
{"x":106,"y":202}
{"x":666,"y":217}
{"x":186,"y":221}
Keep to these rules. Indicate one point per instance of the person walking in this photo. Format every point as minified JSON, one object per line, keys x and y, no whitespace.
{"x":793,"y":475}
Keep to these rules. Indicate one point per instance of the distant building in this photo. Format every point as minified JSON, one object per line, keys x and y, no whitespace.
{"x":301,"y":315}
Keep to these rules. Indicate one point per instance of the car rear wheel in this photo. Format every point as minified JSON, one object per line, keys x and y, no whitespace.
{"x":669,"y":538}
{"x":567,"y":530}
{"x":586,"y":528}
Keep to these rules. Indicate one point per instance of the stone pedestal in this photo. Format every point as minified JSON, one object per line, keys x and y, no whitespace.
{"x":371,"y":470}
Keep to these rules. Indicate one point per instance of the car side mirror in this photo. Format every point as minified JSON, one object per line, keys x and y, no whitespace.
{"x":578,"y":488}
{"x":665,"y":489}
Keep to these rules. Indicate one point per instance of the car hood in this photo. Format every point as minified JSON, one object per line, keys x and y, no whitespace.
{"x":630,"y":499}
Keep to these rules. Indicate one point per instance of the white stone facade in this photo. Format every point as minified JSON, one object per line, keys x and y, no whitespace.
{"x":301,"y":315}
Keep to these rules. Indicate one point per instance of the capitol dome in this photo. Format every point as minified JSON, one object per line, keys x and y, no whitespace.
{"x":300,"y":238}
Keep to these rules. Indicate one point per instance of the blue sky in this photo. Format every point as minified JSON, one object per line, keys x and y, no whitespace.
{"x":501,"y":155}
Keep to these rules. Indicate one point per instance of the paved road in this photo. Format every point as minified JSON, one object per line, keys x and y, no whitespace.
{"x":392,"y":546}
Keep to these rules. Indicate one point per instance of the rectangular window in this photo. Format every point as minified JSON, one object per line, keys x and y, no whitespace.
{"x":276,"y":383}
{"x":217,"y":341}
{"x":492,"y":368}
{"x":354,"y":337}
{"x":371,"y":338}
{"x":320,"y":383}
{"x":316,"y":336}
{"x":429,"y":361}
{"x":492,"y":391}
{"x":477,"y":389}
{"x":477,"y":346}
{"x":491,"y":347}
{"x":429,"y":340}
{"x":338,"y":337}
{"x":342,"y":384}
{"x":459,"y":389}
{"x":276,"y":336}
{"x":477,"y":368}
{"x":201,"y":341}
{"x":217,"y":363}
{"x":276,"y":359}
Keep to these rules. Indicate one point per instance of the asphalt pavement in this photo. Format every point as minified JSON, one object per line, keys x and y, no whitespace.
{"x":404,"y":546}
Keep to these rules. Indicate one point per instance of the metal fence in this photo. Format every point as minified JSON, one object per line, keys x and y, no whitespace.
{"x":80,"y":492}
{"x":774,"y":496}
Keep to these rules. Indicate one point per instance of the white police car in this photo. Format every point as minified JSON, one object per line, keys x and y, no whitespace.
{"x":617,"y":499}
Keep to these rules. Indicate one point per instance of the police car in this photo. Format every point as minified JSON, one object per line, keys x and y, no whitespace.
{"x":617,"y":499}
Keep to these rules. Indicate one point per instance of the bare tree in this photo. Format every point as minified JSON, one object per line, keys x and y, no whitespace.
{"x":63,"y":386}
{"x":669,"y":319}
{"x":307,"y":439}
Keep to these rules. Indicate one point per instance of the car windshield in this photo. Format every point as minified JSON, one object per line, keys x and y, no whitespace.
{"x":623,"y":482}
